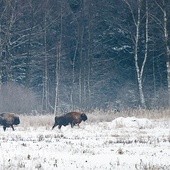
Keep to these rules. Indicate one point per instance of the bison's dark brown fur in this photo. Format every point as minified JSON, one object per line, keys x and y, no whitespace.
{"x":8,"y":120}
{"x":72,"y":118}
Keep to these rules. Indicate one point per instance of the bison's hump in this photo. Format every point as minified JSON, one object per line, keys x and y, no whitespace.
{"x":5,"y":115}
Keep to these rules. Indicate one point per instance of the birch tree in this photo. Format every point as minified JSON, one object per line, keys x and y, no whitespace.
{"x":72,"y":100}
{"x":45,"y":99}
{"x":137,"y":23}
{"x":57,"y":72}
{"x":163,"y":6}
{"x":58,"y":58}
{"x":8,"y":18}
{"x":89,"y":56}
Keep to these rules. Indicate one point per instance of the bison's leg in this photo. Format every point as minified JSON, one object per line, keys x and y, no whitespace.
{"x":4,"y":127}
{"x":59,"y":126}
{"x":53,"y":126}
{"x":12,"y":127}
{"x":72,"y":124}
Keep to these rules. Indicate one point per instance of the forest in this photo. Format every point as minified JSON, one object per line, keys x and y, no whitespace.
{"x":61,"y":55}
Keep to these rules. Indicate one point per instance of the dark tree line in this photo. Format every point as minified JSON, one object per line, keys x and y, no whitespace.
{"x":58,"y":55}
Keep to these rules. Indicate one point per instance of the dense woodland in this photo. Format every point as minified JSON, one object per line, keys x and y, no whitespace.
{"x":61,"y":55}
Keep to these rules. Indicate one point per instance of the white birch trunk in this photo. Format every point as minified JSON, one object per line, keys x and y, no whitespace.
{"x":0,"y":58}
{"x":89,"y":57}
{"x":73,"y":77}
{"x":45,"y":78}
{"x":138,"y":71}
{"x":81,"y":78}
{"x":58,"y":58}
{"x":167,"y":53}
{"x":57,"y":71}
{"x":165,"y":29}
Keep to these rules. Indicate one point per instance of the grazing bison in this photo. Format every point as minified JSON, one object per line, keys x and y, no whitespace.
{"x":72,"y":118}
{"x":8,"y":120}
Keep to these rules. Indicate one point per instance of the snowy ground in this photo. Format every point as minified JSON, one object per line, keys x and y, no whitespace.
{"x":124,"y":143}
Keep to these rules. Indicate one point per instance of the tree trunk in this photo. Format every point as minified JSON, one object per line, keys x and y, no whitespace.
{"x":73,"y":77}
{"x":1,"y":52}
{"x":57,"y":72}
{"x":167,"y":52}
{"x":59,"y":53}
{"x":164,"y":9}
{"x":138,"y":71}
{"x":81,"y":60}
{"x":45,"y":81}
{"x":89,"y":56}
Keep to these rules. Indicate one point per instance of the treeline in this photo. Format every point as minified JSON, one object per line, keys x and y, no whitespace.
{"x":60,"y":55}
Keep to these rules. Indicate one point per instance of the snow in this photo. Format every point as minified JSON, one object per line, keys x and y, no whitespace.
{"x":125,"y":143}
{"x":132,"y":122}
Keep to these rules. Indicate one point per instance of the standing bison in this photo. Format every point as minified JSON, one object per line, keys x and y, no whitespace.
{"x":72,"y":118}
{"x":8,"y":120}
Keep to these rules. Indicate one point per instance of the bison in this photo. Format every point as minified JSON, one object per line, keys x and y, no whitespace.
{"x":8,"y":120}
{"x":71,"y":118}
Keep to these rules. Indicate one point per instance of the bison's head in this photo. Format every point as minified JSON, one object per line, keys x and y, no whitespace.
{"x":83,"y":117}
{"x":16,"y":120}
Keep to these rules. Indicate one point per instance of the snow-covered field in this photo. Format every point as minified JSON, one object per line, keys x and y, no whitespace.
{"x":121,"y":144}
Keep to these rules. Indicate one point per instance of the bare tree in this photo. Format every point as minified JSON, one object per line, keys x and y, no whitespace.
{"x":57,"y":72}
{"x":9,"y":15}
{"x":78,"y":17}
{"x":73,"y":77}
{"x":1,"y":52}
{"x":137,"y":22}
{"x":163,"y":5}
{"x":58,"y":58}
{"x":45,"y":99}
{"x":89,"y":56}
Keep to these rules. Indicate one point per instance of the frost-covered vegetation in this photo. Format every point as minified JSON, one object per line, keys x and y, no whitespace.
{"x":129,"y":141}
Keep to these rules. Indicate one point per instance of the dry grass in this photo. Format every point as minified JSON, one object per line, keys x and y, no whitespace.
{"x":100,"y":115}
{"x":95,"y":116}
{"x":37,"y":120}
